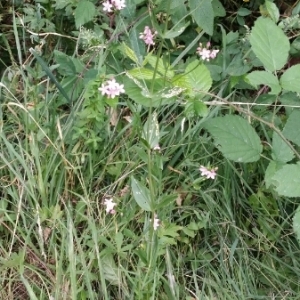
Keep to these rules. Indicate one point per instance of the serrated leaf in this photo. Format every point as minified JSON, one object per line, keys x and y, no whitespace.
{"x":203,"y":13}
{"x":235,"y":138}
{"x":288,"y":180}
{"x":296,"y":223}
{"x":291,"y":129}
{"x":257,"y":78}
{"x":280,"y":150}
{"x":84,"y":12}
{"x":141,"y":194}
{"x":290,"y":79}
{"x":198,"y":79}
{"x":270,"y":44}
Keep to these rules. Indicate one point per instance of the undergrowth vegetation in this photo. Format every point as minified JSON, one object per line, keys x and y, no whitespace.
{"x":149,"y":149}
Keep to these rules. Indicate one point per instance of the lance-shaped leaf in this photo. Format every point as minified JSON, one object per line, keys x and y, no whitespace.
{"x":141,"y":194}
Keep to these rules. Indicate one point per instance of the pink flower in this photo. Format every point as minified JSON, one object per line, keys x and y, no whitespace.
{"x":107,"y":6}
{"x":109,"y":206}
{"x":208,"y":173}
{"x":118,"y":4}
{"x":110,"y":5}
{"x":148,"y":36}
{"x":111,"y":88}
{"x":206,"y":53}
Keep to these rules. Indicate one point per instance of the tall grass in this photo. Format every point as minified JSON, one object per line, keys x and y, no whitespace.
{"x":220,"y":239}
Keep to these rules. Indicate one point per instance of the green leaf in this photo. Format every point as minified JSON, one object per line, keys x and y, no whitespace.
{"x":291,"y":129}
{"x":242,"y":11}
{"x":137,"y":45}
{"x":272,"y":10}
{"x":130,"y":53}
{"x":139,"y":92}
{"x":290,"y":79}
{"x":110,"y":270}
{"x":141,"y":194}
{"x":296,"y":223}
{"x":219,"y":10}
{"x":270,"y":44}
{"x":281,"y":152}
{"x":66,"y":65}
{"x":203,"y":13}
{"x":143,"y":73}
{"x":238,"y":66}
{"x":194,"y":108}
{"x":235,"y":138}
{"x":151,"y":131}
{"x":175,"y":31}
{"x":287,"y":180}
{"x":257,"y":78}
{"x":158,"y":63}
{"x":197,"y":80}
{"x":84,"y":12}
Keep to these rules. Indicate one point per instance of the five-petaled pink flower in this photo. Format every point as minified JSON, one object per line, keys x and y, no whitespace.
{"x":206,"y":53}
{"x":208,"y":173}
{"x":111,"y":88}
{"x":148,"y":36}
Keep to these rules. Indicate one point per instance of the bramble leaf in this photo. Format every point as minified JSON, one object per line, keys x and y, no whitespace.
{"x":235,"y":138}
{"x":266,"y":78}
{"x":84,"y":12}
{"x":290,"y":79}
{"x":270,"y":44}
{"x":291,"y":129}
{"x":287,"y":180}
{"x":203,"y":13}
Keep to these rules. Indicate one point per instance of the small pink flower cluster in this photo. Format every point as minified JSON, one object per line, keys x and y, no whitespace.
{"x":205,"y":53}
{"x":110,"y":206}
{"x":208,"y":173}
{"x":148,"y":35}
{"x":110,"y":5}
{"x":111,"y":88}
